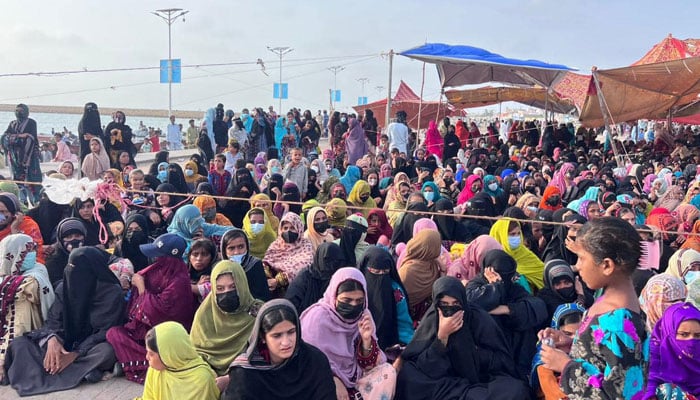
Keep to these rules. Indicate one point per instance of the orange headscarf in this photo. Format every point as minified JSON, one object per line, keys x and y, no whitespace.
{"x":549,"y":192}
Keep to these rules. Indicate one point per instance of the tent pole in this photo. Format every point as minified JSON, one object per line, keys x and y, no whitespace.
{"x":420,"y":105}
{"x":387,"y":117}
{"x":606,"y":120}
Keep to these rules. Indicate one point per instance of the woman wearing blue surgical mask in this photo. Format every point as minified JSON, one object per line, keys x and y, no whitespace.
{"x":259,"y":231}
{"x":235,"y":247}
{"x":431,"y":194}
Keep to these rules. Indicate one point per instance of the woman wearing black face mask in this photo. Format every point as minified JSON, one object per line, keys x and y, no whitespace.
{"x":224,"y":320}
{"x":70,"y":234}
{"x":136,"y":233}
{"x":561,"y":286}
{"x":518,"y":313}
{"x":442,"y":360}
{"x":288,"y":255}
{"x":341,"y":326}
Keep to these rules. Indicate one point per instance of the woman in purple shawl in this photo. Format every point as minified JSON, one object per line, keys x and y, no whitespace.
{"x":355,"y":143}
{"x":160,"y":292}
{"x":674,"y":354}
{"x":341,"y":326}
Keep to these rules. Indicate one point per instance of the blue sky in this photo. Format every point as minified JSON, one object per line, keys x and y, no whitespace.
{"x":76,"y":34}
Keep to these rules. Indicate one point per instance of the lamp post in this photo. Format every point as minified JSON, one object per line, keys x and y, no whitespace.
{"x":335,"y":70}
{"x":170,"y":15}
{"x":280,"y":51}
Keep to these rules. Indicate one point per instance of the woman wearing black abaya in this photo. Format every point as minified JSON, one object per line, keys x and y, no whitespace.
{"x":560,"y":287}
{"x":308,"y":287}
{"x":88,"y":128}
{"x":242,"y":186}
{"x":458,"y":352}
{"x":89,"y":301}
{"x":119,"y":135}
{"x":83,"y":210}
{"x":519,"y":314}
{"x":47,"y":215}
{"x":176,"y":177}
{"x":70,"y":234}
{"x":276,"y":182}
{"x":451,"y":229}
{"x":403,"y":231}
{"x":136,"y":233}
{"x":169,"y":204}
{"x":387,"y":299}
{"x":556,"y":248}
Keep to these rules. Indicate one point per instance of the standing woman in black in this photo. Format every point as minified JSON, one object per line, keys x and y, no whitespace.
{"x":90,"y":127}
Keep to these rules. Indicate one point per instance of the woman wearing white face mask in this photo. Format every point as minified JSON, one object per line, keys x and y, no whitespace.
{"x":373,"y":180}
{"x":320,"y":169}
{"x":235,"y":247}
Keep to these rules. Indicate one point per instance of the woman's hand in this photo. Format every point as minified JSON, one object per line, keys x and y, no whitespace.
{"x":491,"y":275}
{"x":366,"y":328}
{"x":272,"y":284}
{"x":222,"y":383}
{"x":449,"y":325}
{"x":139,"y":283}
{"x":560,"y":339}
{"x":554,"y":359}
{"x":18,"y":218}
{"x":341,"y":392}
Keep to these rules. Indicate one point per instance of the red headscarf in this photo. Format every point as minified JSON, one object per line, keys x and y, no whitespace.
{"x":384,"y":226}
{"x":462,"y":133}
{"x":549,"y":192}
{"x":466,"y":194}
{"x":433,"y":140}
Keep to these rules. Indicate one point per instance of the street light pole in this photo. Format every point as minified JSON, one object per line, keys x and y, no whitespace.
{"x":363,"y":81}
{"x":335,"y":70}
{"x":280,"y":51}
{"x":170,"y":15}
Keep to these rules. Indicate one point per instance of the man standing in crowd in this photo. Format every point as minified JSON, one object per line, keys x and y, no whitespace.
{"x":398,"y":133}
{"x":192,"y":134}
{"x":174,"y":135}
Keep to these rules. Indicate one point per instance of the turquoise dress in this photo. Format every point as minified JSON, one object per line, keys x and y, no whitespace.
{"x":610,"y":356}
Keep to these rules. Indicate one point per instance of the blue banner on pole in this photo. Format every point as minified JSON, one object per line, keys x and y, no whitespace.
{"x":172,"y":71}
{"x":276,"y":91}
{"x":361,"y":101}
{"x":336,"y":95}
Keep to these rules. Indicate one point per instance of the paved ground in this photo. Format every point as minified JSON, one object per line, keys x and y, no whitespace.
{"x":113,"y":389}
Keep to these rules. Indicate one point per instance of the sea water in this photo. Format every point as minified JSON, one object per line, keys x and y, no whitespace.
{"x":47,"y":121}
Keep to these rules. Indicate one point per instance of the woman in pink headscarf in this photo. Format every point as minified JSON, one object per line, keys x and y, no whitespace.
{"x":433,"y":140}
{"x":473,"y":186}
{"x":341,"y":326}
{"x":563,"y":178}
{"x":468,"y":265}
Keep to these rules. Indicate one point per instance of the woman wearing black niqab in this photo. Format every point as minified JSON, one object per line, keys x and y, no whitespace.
{"x":176,"y":177}
{"x":308,"y":287}
{"x":473,"y":363}
{"x":89,"y":301}
{"x":90,"y":127}
{"x":526,"y":313}
{"x":128,"y":246}
{"x":403,"y":231}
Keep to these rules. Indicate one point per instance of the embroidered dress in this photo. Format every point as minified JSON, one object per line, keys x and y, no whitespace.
{"x":610,"y":358}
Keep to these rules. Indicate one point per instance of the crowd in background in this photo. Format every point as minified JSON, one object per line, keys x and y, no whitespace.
{"x":526,"y":261}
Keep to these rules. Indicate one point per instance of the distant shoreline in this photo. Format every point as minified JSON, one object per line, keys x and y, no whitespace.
{"x":105,"y":111}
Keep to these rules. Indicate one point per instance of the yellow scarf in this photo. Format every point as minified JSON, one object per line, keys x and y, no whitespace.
{"x":218,"y":336}
{"x":261,"y":241}
{"x":186,"y":376}
{"x":529,"y":265}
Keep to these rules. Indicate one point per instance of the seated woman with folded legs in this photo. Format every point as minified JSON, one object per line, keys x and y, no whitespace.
{"x":458,"y":352}
{"x":341,"y":326}
{"x":71,"y":346}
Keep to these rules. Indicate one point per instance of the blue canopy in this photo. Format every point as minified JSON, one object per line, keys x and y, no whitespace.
{"x":467,"y":65}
